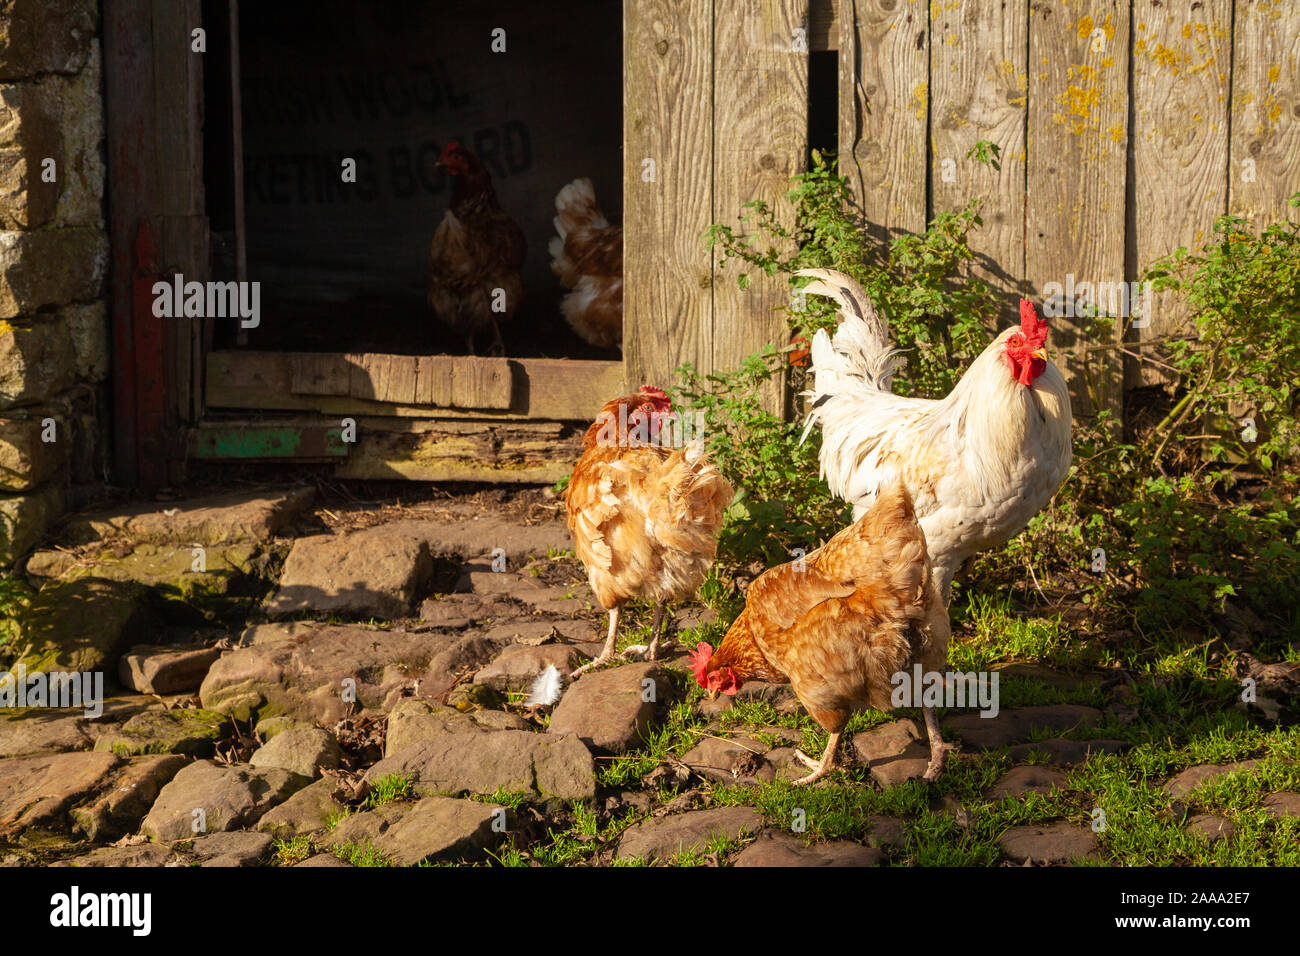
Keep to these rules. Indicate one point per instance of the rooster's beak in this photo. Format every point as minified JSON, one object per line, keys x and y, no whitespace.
{"x":713,"y":694}
{"x":1041,"y":354}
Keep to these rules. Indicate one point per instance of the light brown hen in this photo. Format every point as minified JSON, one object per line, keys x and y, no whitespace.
{"x":644,"y":516}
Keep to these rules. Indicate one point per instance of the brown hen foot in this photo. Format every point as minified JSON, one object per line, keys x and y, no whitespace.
{"x":606,"y":652}
{"x":820,"y":768}
{"x":593,"y":663}
{"x":938,"y":749}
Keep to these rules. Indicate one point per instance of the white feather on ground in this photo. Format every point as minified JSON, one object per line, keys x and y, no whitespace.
{"x":547,"y":688}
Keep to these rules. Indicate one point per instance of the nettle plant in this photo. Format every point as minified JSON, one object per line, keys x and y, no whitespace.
{"x":1244,"y":294}
{"x":938,"y":314}
{"x":1199,"y":509}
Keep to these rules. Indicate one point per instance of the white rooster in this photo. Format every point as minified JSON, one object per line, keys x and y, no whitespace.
{"x":978,"y":463}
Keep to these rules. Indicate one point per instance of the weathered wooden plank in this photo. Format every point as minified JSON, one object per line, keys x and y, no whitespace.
{"x":667,"y":149}
{"x":979,"y":91}
{"x":433,"y":380}
{"x":479,"y":382}
{"x":884,"y":110}
{"x":557,"y":389}
{"x":1076,"y":143}
{"x":132,"y":182}
{"x":1265,"y":155}
{"x":1182,"y":56}
{"x":760,"y":141}
{"x":509,"y":452}
{"x":178,"y":105}
{"x":318,"y":373}
{"x":385,"y":378}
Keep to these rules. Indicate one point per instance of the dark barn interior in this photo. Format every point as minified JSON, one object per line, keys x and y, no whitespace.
{"x":344,"y":265}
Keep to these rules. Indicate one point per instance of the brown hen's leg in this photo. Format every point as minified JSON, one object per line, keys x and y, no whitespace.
{"x":607,"y":651}
{"x":652,"y":653}
{"x":820,"y":768}
{"x":938,"y":749}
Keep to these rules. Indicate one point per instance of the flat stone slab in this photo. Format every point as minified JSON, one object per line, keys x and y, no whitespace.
{"x":774,"y":848}
{"x":1048,"y":843}
{"x":478,"y":535}
{"x":307,"y":812}
{"x":179,"y":731}
{"x":456,"y":611}
{"x":1017,"y":725}
{"x":239,"y":848}
{"x":1066,"y":753}
{"x":612,"y":710}
{"x":666,"y":837}
{"x":127,"y":798}
{"x":434,"y":828}
{"x":326,"y":860}
{"x":84,"y":625}
{"x":143,"y":854}
{"x":738,"y":760}
{"x":37,"y":791}
{"x":1181,"y":784}
{"x":229,"y":798}
{"x":40,"y":730}
{"x":1284,"y":804}
{"x":413,"y":721}
{"x":1212,"y":827}
{"x":476,"y":762}
{"x":896,"y":752}
{"x":886,"y":833}
{"x":303,"y":676}
{"x":221,"y":590}
{"x":377,"y":572}
{"x":302,"y":750}
{"x":516,"y":667}
{"x":254,"y":516}
{"x":160,"y":669}
{"x":1018,"y":781}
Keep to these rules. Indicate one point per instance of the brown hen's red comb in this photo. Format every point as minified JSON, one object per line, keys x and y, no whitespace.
{"x":1034,"y":328}
{"x":658,"y":395}
{"x":699,"y":659}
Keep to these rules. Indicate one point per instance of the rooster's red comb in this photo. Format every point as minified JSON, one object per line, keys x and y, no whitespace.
{"x":1034,"y":328}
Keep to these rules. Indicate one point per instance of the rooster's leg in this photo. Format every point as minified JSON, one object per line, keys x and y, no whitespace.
{"x":820,"y":768}
{"x":498,"y":344}
{"x":608,"y":650}
{"x":938,"y":749}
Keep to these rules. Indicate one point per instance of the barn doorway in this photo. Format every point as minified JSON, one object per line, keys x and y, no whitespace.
{"x":344,"y":265}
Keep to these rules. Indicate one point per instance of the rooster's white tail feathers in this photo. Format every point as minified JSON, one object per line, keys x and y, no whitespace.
{"x":860,"y":348}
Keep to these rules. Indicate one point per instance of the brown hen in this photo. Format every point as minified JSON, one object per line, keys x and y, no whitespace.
{"x":840,"y":624}
{"x":476,"y":255}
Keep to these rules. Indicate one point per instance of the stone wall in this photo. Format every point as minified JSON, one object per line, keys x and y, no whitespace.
{"x":54,"y":334}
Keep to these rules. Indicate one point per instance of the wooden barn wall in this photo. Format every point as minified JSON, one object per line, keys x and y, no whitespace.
{"x":715,"y":115}
{"x":1126,"y":128}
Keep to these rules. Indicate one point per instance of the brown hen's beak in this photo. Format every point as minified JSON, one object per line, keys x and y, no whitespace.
{"x":1041,"y":353}
{"x":713,"y":694}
